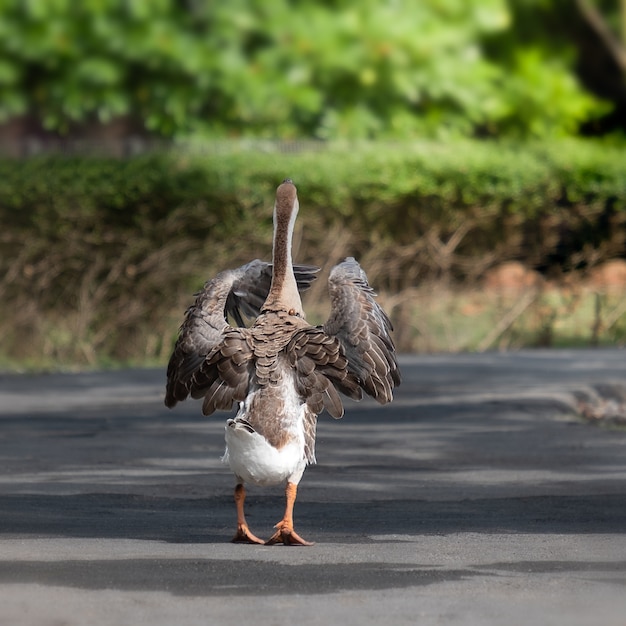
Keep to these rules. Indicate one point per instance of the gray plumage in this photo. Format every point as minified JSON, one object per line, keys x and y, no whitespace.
{"x":280,"y":371}
{"x":351,"y":353}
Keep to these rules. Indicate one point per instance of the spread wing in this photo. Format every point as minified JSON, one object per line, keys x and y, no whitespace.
{"x":233,"y":294}
{"x":364,"y":331}
{"x":353,"y":352}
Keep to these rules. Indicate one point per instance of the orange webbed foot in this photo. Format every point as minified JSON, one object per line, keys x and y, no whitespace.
{"x":287,"y":536}
{"x":285,"y":533}
{"x":245,"y":536}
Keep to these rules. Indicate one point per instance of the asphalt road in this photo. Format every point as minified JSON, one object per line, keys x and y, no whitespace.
{"x":478,"y":497}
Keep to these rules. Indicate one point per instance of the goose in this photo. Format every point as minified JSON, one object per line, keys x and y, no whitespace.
{"x":282,"y":371}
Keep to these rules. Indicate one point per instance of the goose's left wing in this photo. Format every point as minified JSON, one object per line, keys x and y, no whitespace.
{"x":232,"y":294}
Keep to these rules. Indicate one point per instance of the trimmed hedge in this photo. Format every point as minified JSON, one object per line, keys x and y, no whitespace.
{"x":99,"y":255}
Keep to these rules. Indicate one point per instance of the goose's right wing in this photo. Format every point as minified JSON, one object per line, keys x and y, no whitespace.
{"x":353,"y":352}
{"x":363,"y":330}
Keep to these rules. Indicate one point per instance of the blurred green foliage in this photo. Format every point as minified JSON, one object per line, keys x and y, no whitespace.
{"x":285,"y":68}
{"x":99,"y":256}
{"x":553,"y":200}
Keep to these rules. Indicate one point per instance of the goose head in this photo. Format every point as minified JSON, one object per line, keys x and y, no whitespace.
{"x":285,"y":209}
{"x":283,"y":294}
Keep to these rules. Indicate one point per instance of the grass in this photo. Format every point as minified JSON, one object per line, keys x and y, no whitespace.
{"x":99,"y":257}
{"x":471,"y":319}
{"x":112,"y":323}
{"x":432,"y":318}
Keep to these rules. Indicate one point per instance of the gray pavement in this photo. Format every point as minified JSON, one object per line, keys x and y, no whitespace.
{"x":478,"y":497}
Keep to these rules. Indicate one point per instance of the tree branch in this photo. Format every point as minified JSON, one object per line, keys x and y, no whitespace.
{"x":598,"y":24}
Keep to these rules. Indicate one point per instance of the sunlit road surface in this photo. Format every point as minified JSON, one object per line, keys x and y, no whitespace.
{"x":478,"y":497}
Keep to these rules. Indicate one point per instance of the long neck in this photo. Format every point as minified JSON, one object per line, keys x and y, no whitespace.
{"x":283,"y":294}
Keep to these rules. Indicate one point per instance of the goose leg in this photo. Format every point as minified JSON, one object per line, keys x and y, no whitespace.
{"x":285,"y":532}
{"x":243,"y":532}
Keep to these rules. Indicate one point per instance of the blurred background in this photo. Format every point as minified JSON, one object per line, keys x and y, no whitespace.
{"x":470,"y":153}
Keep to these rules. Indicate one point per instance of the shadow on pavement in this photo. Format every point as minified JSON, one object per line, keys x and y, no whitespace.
{"x":197,"y":520}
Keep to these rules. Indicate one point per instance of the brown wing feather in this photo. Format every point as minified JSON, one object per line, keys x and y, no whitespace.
{"x":224,"y":376}
{"x":321,"y":369}
{"x":202,"y":330}
{"x":363,"y":330}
